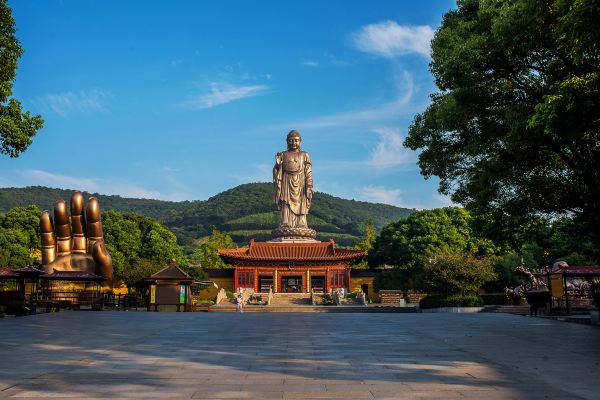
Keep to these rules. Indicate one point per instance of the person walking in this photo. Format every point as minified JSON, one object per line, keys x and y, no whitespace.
{"x":240,"y":303}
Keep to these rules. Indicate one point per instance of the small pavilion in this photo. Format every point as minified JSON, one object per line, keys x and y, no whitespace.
{"x":291,"y":267}
{"x":73,"y":289}
{"x":170,"y":288}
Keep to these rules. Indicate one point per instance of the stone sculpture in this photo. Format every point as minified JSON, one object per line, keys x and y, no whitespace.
{"x":292,"y":177}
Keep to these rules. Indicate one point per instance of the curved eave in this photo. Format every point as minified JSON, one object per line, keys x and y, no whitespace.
{"x":331,"y":258}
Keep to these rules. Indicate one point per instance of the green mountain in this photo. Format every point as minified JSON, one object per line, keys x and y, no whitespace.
{"x":246,"y":211}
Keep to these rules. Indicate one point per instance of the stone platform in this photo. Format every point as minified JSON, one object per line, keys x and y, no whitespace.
{"x":297,"y":356}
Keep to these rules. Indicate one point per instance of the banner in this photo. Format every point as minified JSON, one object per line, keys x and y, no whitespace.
{"x":558,"y":285}
{"x":182,"y":294}
{"x":152,"y":294}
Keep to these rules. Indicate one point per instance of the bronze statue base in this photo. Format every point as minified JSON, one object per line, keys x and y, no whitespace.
{"x":286,"y":233}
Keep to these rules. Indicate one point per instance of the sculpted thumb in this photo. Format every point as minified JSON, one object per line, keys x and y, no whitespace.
{"x":103,"y":260}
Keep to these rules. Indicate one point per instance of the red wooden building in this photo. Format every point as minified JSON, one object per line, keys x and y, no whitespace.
{"x":291,"y":267}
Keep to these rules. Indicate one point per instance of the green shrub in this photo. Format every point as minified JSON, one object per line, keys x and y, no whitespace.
{"x":493,"y":298}
{"x":451,"y":301}
{"x":229,"y":294}
{"x":351,"y":295}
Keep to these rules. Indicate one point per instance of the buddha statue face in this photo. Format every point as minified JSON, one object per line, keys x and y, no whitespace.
{"x":293,"y":140}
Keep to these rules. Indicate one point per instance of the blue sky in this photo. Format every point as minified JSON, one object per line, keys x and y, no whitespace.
{"x":181,"y":100}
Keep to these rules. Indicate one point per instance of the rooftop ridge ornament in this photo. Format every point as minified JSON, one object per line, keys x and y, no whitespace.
{"x":292,"y":178}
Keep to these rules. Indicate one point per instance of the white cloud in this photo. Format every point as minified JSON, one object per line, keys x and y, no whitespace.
{"x":389,"y":110}
{"x":61,"y":181}
{"x":261,"y":173}
{"x":93,"y":185}
{"x":69,"y":103}
{"x":310,"y":63}
{"x":388,"y":39}
{"x":222,"y":93}
{"x":390,"y":151}
{"x":381,"y":194}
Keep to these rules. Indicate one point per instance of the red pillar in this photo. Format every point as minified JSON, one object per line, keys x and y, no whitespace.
{"x":256,"y":289}
{"x":235,"y":280}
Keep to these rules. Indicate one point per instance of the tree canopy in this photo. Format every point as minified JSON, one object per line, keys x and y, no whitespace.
{"x":139,"y":245}
{"x":207,"y":255}
{"x":17,"y":128}
{"x":19,"y":236}
{"x":410,"y":243}
{"x":514,"y":128}
{"x":448,"y":272}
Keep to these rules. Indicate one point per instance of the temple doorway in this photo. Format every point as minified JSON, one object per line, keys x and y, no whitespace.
{"x":291,"y":284}
{"x":265,"y":283}
{"x":317,"y":283}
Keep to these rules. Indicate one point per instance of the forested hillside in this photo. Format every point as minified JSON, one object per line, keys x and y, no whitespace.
{"x":246,"y":211}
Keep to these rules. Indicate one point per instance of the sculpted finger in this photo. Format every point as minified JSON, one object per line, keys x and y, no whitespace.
{"x":48,"y":241}
{"x":78,"y":223}
{"x":63,"y":228}
{"x":93,"y":223}
{"x":103,"y":260}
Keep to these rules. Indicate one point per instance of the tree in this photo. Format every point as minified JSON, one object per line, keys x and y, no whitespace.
{"x":409,"y":243}
{"x":16,"y":128}
{"x":19,"y":236}
{"x":123,"y":238}
{"x":514,"y":128}
{"x":14,"y":248}
{"x":207,"y":255}
{"x":160,"y":245}
{"x":449,"y":272}
{"x":138,"y":244}
{"x":142,"y":268}
{"x":366,"y":243}
{"x":27,"y":220}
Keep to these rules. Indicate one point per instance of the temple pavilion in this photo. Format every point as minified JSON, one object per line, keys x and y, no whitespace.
{"x":291,"y":267}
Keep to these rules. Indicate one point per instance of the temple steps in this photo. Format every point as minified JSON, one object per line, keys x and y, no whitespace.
{"x":315,"y":309}
{"x":519,"y":310}
{"x":290,"y":299}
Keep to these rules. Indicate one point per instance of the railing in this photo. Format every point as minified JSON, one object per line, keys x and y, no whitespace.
{"x":57,"y":300}
{"x":125,"y":301}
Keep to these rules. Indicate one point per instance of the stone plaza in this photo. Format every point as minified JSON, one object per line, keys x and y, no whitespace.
{"x":297,"y":356}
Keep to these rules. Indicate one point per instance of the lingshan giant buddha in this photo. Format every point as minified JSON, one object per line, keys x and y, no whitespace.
{"x":292,"y":177}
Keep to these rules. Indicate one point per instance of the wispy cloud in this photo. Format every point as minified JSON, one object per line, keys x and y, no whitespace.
{"x":92,"y":185}
{"x":223,"y":93}
{"x":381,"y":194}
{"x":326,"y":60}
{"x":388,"y":39}
{"x":68,"y":103}
{"x":261,"y":173}
{"x":389,"y":151}
{"x":388,"y":110}
{"x":310,"y":63}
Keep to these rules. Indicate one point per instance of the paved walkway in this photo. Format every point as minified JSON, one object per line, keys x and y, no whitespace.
{"x":297,"y":356}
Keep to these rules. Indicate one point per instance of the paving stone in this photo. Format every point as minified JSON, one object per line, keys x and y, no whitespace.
{"x":303,"y":355}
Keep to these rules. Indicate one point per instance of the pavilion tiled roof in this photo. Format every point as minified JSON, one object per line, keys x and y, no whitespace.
{"x":72,"y":276}
{"x":291,"y":252}
{"x":8,"y":273}
{"x":578,"y":270}
{"x":28,"y":270}
{"x":170,"y":273}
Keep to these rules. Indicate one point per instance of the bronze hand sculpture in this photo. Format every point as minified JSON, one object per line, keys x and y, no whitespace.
{"x":78,"y":245}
